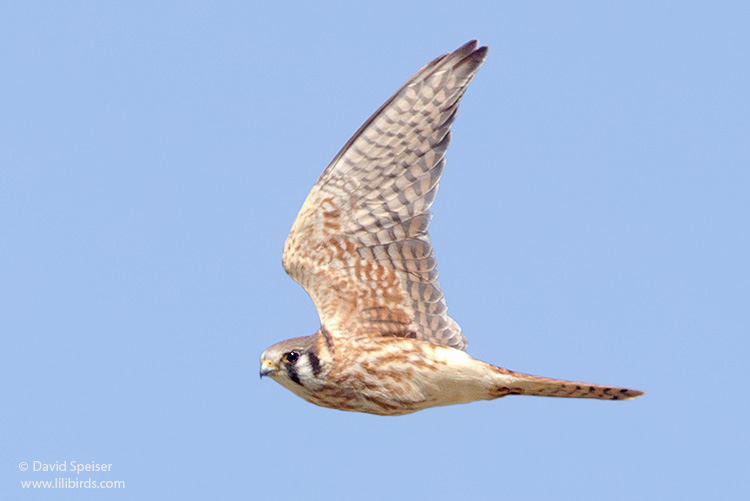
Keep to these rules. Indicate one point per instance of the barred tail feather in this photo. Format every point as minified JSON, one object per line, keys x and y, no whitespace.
{"x":517,"y":383}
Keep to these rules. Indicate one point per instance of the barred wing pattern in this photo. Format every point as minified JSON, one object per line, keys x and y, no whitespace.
{"x":359,"y":245}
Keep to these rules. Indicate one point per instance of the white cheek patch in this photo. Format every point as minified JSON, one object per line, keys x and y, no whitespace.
{"x":304,"y":369}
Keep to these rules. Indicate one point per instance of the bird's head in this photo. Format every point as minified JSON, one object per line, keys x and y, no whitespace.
{"x":294,"y":363}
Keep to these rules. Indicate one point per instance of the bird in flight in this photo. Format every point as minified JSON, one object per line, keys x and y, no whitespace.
{"x":359,"y":247}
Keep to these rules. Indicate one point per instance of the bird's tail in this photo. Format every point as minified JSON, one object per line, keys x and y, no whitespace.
{"x":518,"y":383}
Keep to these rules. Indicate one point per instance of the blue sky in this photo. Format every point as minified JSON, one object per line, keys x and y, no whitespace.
{"x":592,"y":224}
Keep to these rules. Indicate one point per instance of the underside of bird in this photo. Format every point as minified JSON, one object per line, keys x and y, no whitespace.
{"x":438,"y":375}
{"x":393,"y":375}
{"x":446,"y":376}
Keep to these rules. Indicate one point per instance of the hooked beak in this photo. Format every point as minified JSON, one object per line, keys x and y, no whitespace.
{"x":266,"y":368}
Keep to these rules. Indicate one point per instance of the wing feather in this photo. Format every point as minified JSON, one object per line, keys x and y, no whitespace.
{"x":360,"y":245}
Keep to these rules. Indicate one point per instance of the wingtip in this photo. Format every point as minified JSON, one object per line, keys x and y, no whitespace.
{"x":481,"y":53}
{"x":469,"y":46}
{"x":469,"y":57}
{"x":472,"y":48}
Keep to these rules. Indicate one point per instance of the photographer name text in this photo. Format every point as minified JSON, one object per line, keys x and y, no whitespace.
{"x":71,"y":466}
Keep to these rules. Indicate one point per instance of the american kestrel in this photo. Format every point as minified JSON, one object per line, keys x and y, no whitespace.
{"x":360,"y":248}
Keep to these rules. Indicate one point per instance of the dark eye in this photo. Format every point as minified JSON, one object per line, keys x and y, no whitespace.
{"x":292,"y":357}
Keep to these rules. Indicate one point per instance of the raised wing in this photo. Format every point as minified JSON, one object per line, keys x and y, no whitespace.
{"x":359,"y":245}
